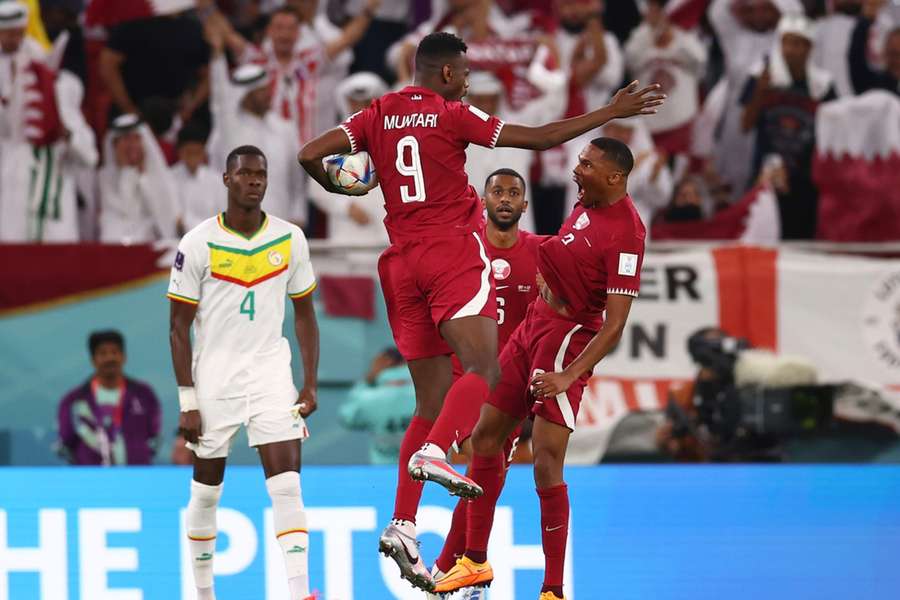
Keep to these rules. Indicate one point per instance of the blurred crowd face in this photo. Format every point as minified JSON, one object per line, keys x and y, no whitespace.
{"x":258,"y":101}
{"x":795,"y":49}
{"x":688,"y":194}
{"x":11,"y":40}
{"x":284,"y":31}
{"x":306,"y":9}
{"x":892,"y":53}
{"x":129,"y":150}
{"x":504,"y":200}
{"x":758,"y":15}
{"x":192,"y":154}
{"x":655,"y":15}
{"x":574,"y":14}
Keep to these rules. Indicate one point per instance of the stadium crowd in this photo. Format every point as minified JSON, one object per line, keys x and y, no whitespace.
{"x":116,"y":116}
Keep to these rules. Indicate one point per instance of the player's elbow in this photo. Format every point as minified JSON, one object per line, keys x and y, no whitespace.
{"x":616,"y":328}
{"x":307,"y":155}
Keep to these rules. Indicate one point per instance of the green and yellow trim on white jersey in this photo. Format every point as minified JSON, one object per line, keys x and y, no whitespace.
{"x":250,"y":267}
{"x":183,"y":299}
{"x":305,"y":292}
{"x":220,"y":218}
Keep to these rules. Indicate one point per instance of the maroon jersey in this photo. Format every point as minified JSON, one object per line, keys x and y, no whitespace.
{"x":418,"y":142}
{"x":515,"y":270}
{"x":598,"y":251}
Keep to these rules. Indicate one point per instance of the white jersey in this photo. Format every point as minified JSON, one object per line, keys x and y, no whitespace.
{"x":239,"y":285}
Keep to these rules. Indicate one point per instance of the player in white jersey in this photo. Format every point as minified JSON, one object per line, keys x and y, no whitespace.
{"x":230,"y":278}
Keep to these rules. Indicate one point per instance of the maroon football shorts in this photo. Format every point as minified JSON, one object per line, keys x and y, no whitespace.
{"x":544,"y":342}
{"x":428,"y":281}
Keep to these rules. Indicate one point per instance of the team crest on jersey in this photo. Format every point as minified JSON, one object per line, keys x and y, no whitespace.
{"x":582,"y":222}
{"x":275,"y":258}
{"x":501,"y":269}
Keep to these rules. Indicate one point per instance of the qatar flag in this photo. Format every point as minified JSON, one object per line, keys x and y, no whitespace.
{"x":105,"y":13}
{"x":752,"y":220}
{"x":857,"y":168}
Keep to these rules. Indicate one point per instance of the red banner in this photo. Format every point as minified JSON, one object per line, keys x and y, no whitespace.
{"x":33,"y":274}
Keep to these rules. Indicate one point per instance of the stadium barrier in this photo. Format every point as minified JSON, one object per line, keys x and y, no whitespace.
{"x":697,"y":533}
{"x":838,"y":311}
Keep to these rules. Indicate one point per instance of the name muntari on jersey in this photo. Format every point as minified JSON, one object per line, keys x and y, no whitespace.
{"x":412,"y":120}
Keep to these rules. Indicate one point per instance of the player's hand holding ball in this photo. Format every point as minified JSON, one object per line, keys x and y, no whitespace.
{"x":631,"y":101}
{"x":306,"y":402}
{"x":351,"y":174}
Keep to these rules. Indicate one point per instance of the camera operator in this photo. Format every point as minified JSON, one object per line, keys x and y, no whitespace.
{"x":749,"y":405}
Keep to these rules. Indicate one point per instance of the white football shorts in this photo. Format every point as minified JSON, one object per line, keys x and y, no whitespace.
{"x":269,"y":417}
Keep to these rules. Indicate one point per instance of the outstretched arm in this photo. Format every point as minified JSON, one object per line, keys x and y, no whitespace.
{"x":627,"y":102}
{"x":334,"y":141}
{"x":617,"y":309}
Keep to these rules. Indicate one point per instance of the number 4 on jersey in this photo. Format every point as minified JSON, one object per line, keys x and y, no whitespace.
{"x":248,"y":305}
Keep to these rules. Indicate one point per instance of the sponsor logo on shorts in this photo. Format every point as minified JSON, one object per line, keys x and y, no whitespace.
{"x":502,"y":269}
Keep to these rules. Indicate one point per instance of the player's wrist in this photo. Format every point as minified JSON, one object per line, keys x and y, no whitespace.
{"x":187,"y":398}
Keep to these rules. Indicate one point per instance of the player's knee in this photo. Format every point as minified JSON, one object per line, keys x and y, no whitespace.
{"x":548,"y":468}
{"x":485,"y":441}
{"x":204,"y":496}
{"x":284,"y":488}
{"x":488,"y":368}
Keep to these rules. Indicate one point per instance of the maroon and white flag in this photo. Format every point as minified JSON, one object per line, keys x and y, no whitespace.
{"x":857,"y":168}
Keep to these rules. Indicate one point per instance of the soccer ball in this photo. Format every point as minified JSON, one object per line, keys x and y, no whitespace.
{"x":353,"y":173}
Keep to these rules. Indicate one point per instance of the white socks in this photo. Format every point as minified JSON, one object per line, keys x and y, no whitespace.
{"x":290,"y":529}
{"x":201,"y":532}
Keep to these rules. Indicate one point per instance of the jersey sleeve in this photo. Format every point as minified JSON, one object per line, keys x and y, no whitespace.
{"x":473,"y":125}
{"x":302,"y":280}
{"x":187,"y":273}
{"x":623,"y":258}
{"x":356,"y":127}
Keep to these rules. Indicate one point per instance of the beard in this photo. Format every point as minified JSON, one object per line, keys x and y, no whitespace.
{"x":505,"y":225}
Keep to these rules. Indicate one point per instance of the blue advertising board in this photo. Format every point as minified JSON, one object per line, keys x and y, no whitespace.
{"x":661,"y":532}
